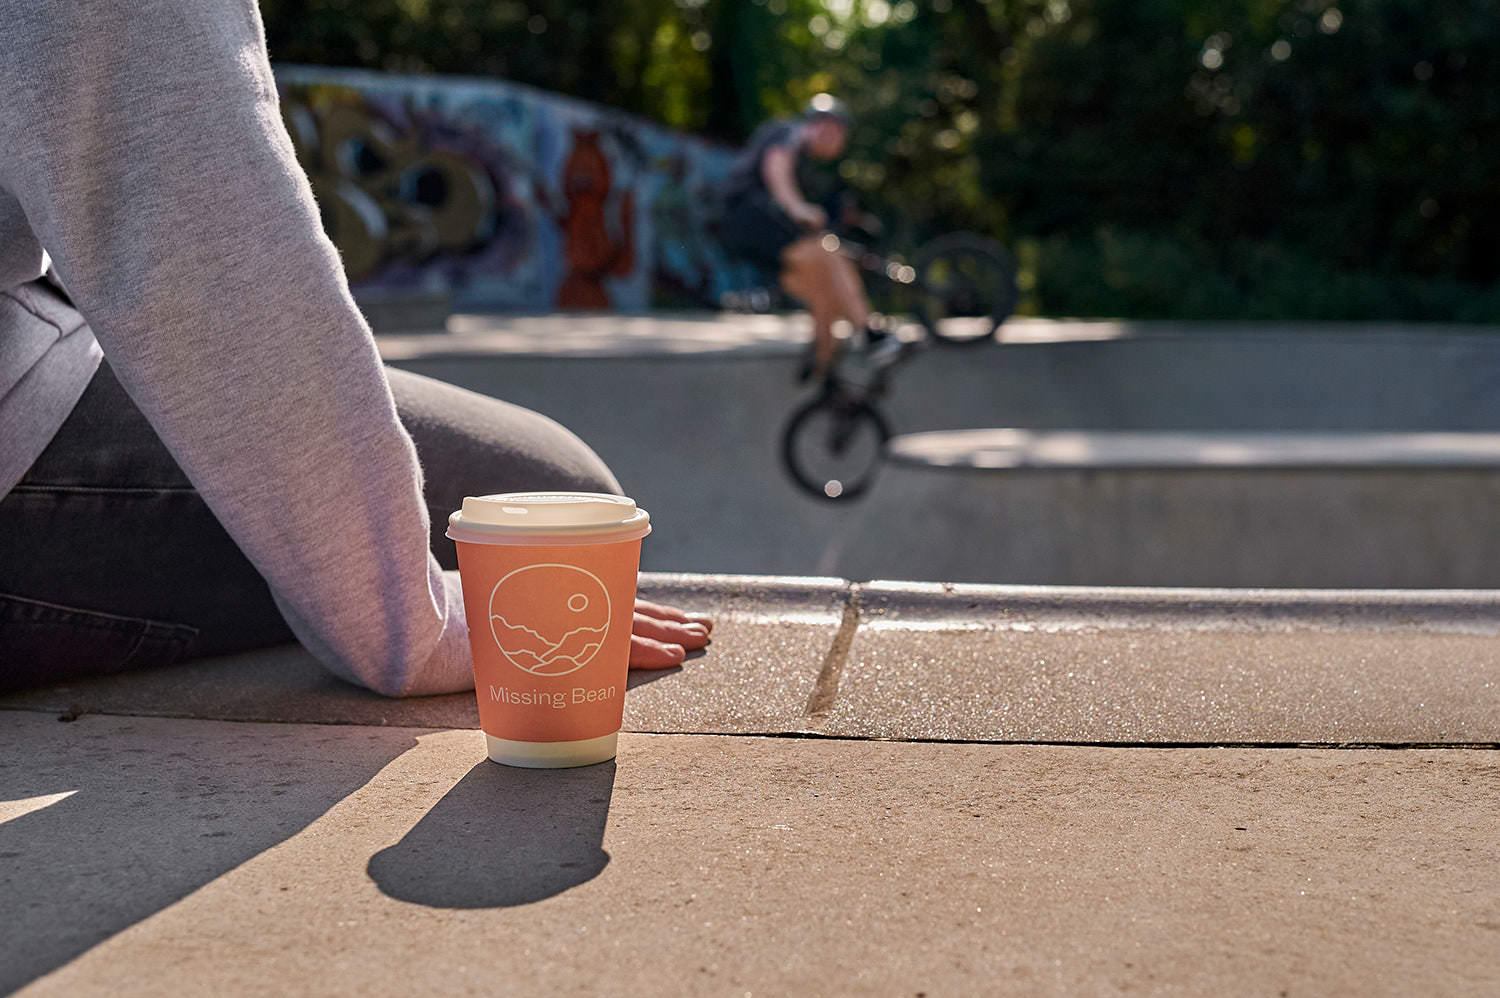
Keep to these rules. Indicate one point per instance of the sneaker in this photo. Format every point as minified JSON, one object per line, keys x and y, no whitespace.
{"x":887,"y":352}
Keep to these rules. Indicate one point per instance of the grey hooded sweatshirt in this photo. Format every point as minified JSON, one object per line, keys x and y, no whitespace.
{"x":142,"y":149}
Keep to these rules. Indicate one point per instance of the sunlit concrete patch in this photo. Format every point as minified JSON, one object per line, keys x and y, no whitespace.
{"x":770,"y":640}
{"x":996,"y":449}
{"x":888,"y":605}
{"x":603,"y":335}
{"x":1141,"y":666}
{"x":13,"y":809}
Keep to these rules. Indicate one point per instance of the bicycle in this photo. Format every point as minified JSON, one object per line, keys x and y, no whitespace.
{"x":833,"y":444}
{"x":960,"y":288}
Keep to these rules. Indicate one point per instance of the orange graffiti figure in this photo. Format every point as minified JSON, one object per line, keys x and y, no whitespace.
{"x":592,"y":253}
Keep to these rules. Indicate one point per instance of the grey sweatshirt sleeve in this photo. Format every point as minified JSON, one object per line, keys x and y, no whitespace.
{"x":146,"y":147}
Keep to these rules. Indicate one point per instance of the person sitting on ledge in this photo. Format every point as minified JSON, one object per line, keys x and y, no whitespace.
{"x":200,"y":451}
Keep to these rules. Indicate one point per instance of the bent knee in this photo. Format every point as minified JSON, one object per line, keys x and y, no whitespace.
{"x":471,"y":444}
{"x":808,"y":249}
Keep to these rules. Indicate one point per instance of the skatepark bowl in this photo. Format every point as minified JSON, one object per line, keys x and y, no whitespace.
{"x":1330,"y":455}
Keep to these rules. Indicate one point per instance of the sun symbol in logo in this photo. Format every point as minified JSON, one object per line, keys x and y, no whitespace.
{"x":549,"y":620}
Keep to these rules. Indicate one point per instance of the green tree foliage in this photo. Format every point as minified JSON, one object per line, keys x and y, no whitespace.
{"x":1235,"y":158}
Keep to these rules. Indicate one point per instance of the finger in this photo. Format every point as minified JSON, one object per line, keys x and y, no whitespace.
{"x":648,"y":654}
{"x":702,"y":620}
{"x":663,"y":612}
{"x":670,"y":631}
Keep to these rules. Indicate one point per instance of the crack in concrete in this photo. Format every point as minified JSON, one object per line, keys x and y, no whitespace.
{"x":1359,"y":746}
{"x":826,"y":688}
{"x":811,"y":735}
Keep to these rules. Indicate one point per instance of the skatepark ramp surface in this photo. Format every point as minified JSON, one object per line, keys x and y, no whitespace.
{"x":1327,"y":455}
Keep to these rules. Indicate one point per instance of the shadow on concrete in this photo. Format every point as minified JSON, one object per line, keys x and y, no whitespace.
{"x":502,"y":837}
{"x":642,"y":677}
{"x":283,"y":684}
{"x":128,"y":815}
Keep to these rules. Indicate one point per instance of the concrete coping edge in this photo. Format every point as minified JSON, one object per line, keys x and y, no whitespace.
{"x":979,"y":606}
{"x":1020,"y":607}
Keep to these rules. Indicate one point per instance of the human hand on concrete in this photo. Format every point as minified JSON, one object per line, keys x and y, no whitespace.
{"x":663,"y":635}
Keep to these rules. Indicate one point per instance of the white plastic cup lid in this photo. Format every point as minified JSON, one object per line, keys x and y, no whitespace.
{"x":572,"y":517}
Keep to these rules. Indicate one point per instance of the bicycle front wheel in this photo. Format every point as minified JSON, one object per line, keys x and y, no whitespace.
{"x":832,"y":447}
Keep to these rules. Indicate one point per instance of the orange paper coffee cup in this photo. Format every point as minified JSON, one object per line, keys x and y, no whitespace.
{"x":549,"y":591}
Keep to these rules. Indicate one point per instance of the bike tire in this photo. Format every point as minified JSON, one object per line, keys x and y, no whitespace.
{"x":807,"y":447}
{"x":965,"y":288}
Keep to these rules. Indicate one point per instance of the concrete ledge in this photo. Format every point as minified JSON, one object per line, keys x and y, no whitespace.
{"x":770,"y":639}
{"x":1057,"y":608}
{"x":911,"y":661}
{"x":1158,"y":666}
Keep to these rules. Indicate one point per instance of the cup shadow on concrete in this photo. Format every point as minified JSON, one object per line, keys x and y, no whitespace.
{"x":502,"y":837}
{"x":155,"y":809}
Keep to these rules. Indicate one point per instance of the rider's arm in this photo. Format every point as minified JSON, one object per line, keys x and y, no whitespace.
{"x":779,"y":170}
{"x":144,"y":142}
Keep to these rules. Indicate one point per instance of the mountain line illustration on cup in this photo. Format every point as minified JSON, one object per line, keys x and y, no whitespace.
{"x":528,"y":643}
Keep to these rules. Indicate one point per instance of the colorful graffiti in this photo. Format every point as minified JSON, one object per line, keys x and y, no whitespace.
{"x":506,"y":197}
{"x":590,"y":251}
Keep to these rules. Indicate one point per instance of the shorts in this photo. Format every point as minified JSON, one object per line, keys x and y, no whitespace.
{"x":756,"y":229}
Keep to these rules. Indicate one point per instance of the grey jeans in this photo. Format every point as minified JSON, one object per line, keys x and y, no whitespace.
{"x":110,"y":560}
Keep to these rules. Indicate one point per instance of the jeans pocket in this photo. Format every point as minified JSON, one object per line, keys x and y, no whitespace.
{"x":44,"y":643}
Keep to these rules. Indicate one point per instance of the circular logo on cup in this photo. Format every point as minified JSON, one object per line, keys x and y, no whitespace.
{"x":549,"y":620}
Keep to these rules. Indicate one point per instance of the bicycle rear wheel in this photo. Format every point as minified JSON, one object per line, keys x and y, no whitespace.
{"x":965,"y":287}
{"x":832,"y":446}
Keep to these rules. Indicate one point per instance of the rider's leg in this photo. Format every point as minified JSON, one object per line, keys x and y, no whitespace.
{"x":842,"y":281}
{"x":834,"y":275}
{"x":820,"y":304}
{"x":807,"y":274}
{"x":853,"y":302}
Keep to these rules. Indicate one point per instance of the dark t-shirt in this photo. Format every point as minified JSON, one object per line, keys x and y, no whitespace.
{"x":745,"y":173}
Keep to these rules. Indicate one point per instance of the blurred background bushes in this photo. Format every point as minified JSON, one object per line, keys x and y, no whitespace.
{"x":1256,"y":159}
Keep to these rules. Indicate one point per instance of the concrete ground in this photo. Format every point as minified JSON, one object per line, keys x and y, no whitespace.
{"x":858,"y":789}
{"x":882,"y":789}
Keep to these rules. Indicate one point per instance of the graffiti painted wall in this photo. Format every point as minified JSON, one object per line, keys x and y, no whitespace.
{"x":507,"y":197}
